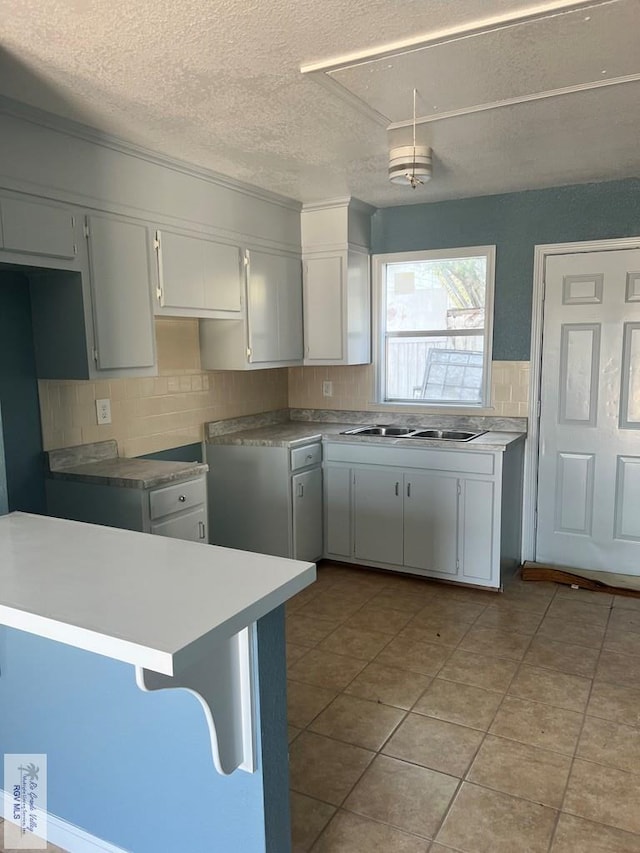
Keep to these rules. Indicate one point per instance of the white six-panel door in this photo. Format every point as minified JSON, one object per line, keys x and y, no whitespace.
{"x":589,"y":460}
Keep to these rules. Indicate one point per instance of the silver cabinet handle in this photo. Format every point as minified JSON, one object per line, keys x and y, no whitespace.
{"x":182,"y":498}
{"x":300,"y":490}
{"x":408,"y":490}
{"x":309,"y":456}
{"x":202,"y":529}
{"x":397,"y":489}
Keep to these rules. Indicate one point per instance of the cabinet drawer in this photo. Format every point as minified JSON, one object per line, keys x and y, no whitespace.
{"x":191,"y":526}
{"x":177,"y":497}
{"x":302,"y":457}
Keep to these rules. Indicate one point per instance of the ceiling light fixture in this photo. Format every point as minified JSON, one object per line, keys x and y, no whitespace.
{"x":410,"y":165}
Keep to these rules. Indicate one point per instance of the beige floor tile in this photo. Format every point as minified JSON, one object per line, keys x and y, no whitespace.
{"x":626,"y":602}
{"x":484,"y":639}
{"x":433,"y":630}
{"x":404,"y":795}
{"x":459,"y":703}
{"x":308,"y":630}
{"x":389,"y":685}
{"x":576,"y":835}
{"x":521,"y":770}
{"x":357,"y":721}
{"x":308,"y":818}
{"x":423,"y":658}
{"x":604,"y":794}
{"x":538,"y":725}
{"x":586,"y":596}
{"x":483,"y":821}
{"x":454,"y":611}
{"x":326,"y":670}
{"x":578,"y":611}
{"x":625,"y":619}
{"x":379,"y":618}
{"x":479,"y":670}
{"x":614,"y":744}
{"x":295,"y":652}
{"x":324,"y":768}
{"x":619,"y":669}
{"x":564,"y":657}
{"x":615,"y":702}
{"x":355,"y":642}
{"x":352,"y":833}
{"x":305,"y":701}
{"x":552,"y":688}
{"x":292,"y":732}
{"x":578,"y":633}
{"x":405,"y":600}
{"x":330,"y":605}
{"x":435,"y":744}
{"x":624,"y":642}
{"x":510,"y":619}
{"x":518,"y":599}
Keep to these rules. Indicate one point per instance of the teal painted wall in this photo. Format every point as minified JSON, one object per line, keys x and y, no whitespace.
{"x":4,"y":503}
{"x":514,"y":223}
{"x":19,"y":397}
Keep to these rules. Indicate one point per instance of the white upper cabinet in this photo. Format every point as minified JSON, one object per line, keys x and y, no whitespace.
{"x":268,"y":332}
{"x":121,"y":273}
{"x":336,"y":289}
{"x":37,"y":228}
{"x":198,"y":277}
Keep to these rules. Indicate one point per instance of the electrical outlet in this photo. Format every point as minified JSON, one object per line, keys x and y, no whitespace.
{"x":327,"y":388}
{"x":103,"y":411}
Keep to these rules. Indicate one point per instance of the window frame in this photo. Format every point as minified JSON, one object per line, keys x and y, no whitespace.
{"x":379,"y":265}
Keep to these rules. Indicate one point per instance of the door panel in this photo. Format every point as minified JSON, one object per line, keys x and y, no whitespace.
{"x":324,"y":308}
{"x":38,"y":229}
{"x":191,"y":526}
{"x":306,"y":495}
{"x":119,"y":257}
{"x":431,"y":522}
{"x":477,"y":529}
{"x":378,"y":522}
{"x":588,"y":483}
{"x":337,"y":490}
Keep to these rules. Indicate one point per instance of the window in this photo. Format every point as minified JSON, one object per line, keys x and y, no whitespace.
{"x":434,"y":314}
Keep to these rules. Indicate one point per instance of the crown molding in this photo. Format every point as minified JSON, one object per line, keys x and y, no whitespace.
{"x":69,"y":127}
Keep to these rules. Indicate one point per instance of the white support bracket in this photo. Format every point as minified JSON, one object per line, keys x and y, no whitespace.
{"x":219,"y":672}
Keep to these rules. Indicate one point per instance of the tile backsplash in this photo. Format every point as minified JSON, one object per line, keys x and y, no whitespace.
{"x":354,"y":388}
{"x":152,"y":414}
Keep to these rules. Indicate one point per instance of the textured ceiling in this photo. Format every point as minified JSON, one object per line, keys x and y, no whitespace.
{"x":219,"y":84}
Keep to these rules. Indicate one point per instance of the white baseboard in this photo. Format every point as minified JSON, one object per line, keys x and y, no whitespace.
{"x":66,"y":835}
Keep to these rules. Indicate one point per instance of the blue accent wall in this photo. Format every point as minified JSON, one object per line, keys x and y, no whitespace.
{"x":184,"y":453}
{"x":135,"y":768}
{"x":4,"y":503}
{"x":514,"y":223}
{"x":19,"y":397}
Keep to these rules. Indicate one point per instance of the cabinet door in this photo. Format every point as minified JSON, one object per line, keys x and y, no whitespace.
{"x":378,"y":515}
{"x":337,"y":505}
{"x":188,"y":525}
{"x":198,"y":275}
{"x":324,"y":309}
{"x":121,"y":281}
{"x":262,"y":305}
{"x":306,"y":494}
{"x":477,"y":532}
{"x":274,"y":297}
{"x":38,"y":228}
{"x":431,"y":522}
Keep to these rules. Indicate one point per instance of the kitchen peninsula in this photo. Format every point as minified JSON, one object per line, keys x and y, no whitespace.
{"x":97,"y":625}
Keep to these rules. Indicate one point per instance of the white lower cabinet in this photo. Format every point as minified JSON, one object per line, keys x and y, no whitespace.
{"x":427,"y":515}
{"x":306,"y":503}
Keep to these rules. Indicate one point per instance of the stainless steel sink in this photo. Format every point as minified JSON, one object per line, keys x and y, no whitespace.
{"x":393,"y":431}
{"x":446,"y":434}
{"x":404,"y":432}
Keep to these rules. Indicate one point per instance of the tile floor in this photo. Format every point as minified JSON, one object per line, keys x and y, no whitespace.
{"x":426,"y":717}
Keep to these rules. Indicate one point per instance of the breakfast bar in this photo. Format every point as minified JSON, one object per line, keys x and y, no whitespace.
{"x":149,"y":670}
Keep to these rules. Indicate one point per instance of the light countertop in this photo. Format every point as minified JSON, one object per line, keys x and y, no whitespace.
{"x":130,"y":596}
{"x":295,"y":433}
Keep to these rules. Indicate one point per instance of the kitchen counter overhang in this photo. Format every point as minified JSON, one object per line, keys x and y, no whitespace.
{"x":181,"y":612}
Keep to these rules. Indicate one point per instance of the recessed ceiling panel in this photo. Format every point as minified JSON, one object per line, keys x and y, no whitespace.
{"x":538,"y":56}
